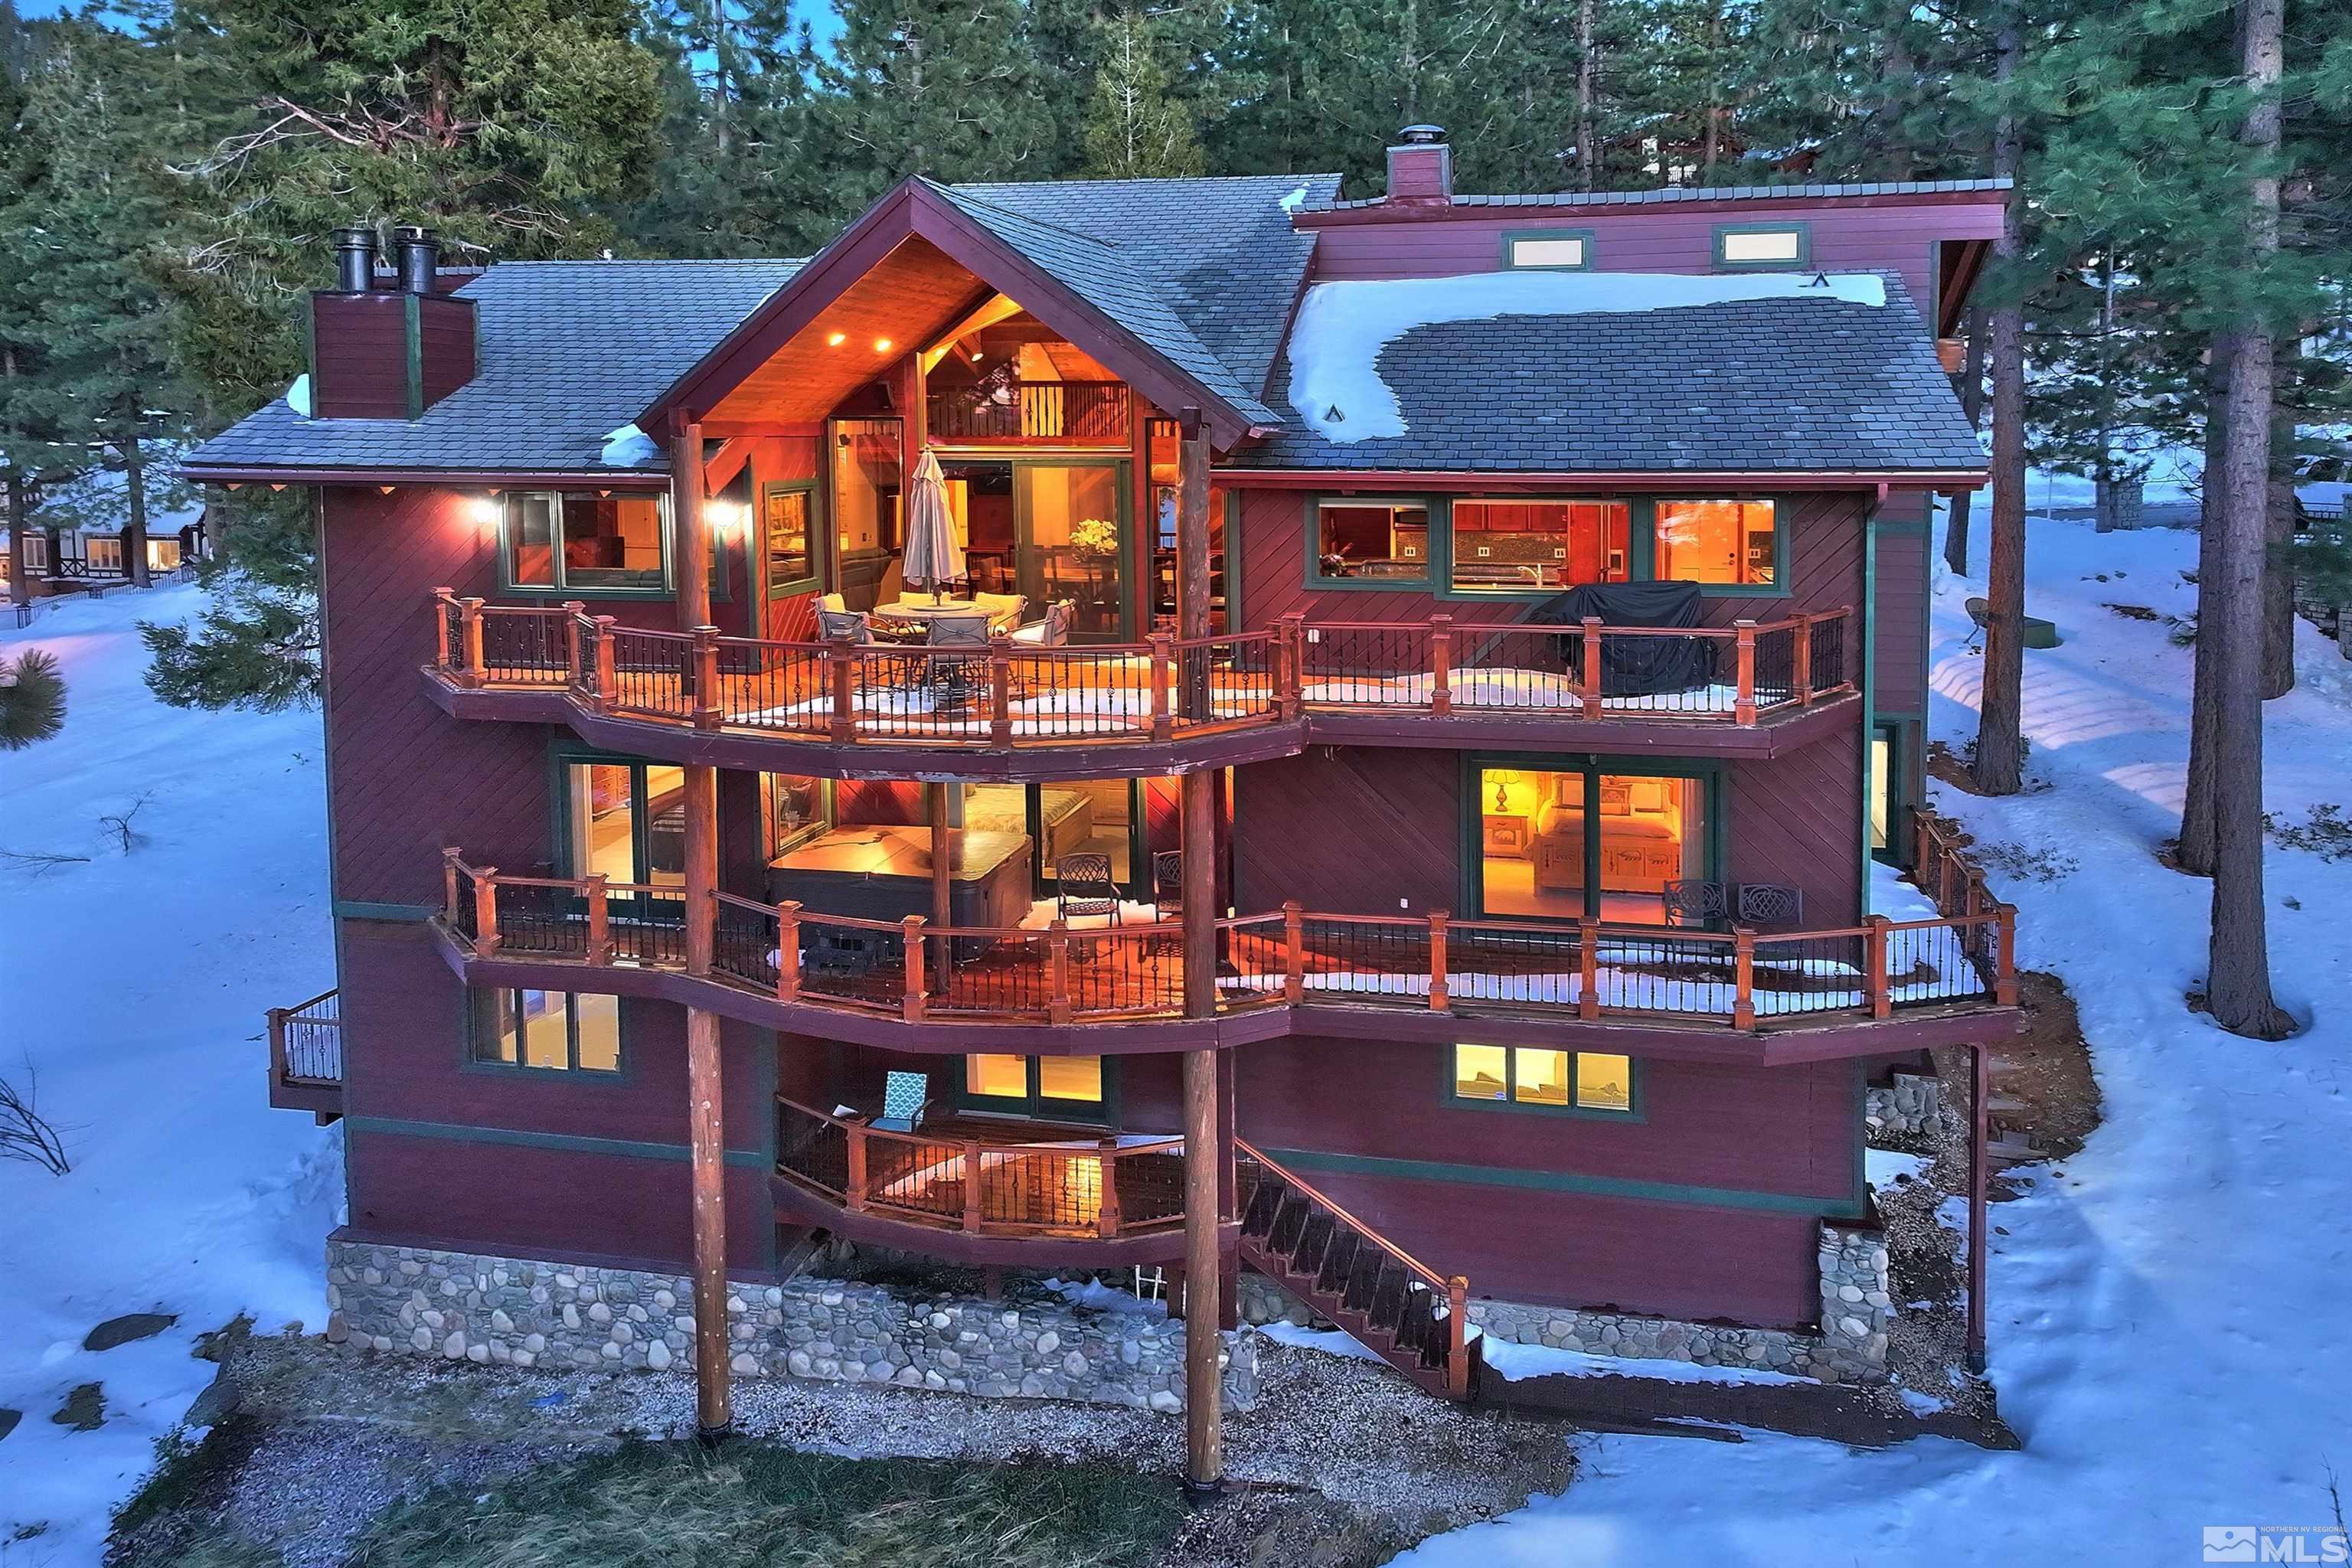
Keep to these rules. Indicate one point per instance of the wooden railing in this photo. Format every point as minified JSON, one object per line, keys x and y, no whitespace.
{"x":1011,"y":693}
{"x":1585,"y":969}
{"x":1102,"y":1188}
{"x":1956,"y":885}
{"x":306,"y":1045}
{"x":1000,"y":410}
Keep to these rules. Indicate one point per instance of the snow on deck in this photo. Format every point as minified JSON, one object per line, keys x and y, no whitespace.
{"x":1335,"y":349}
{"x":2166,"y":1309}
{"x":136,"y":987}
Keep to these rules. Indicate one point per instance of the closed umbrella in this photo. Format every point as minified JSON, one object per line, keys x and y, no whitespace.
{"x":932,"y":555}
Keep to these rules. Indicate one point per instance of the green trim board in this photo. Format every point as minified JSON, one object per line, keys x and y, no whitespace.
{"x":360,"y":909}
{"x":1850,"y":1207}
{"x":567,"y":1142}
{"x":1513,"y":237}
{"x":1804,"y":257}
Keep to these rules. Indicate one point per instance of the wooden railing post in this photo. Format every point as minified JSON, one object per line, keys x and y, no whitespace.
{"x":1057,"y":973}
{"x":1588,"y":968}
{"x":1873,"y":966}
{"x":1921,"y":837}
{"x":1743,"y":701}
{"x":470,"y":629}
{"x":1000,"y":689}
{"x":1743,"y":978}
{"x":788,"y":950}
{"x":600,"y":919}
{"x":1441,"y":664}
{"x":855,"y":1184}
{"x":707,"y":711}
{"x":1457,"y":1336}
{"x":1293,"y":953}
{"x":449,"y":863}
{"x":442,"y":599}
{"x":1588,"y":684}
{"x":1107,"y":1217}
{"x":277,"y":1016}
{"x":1289,"y":663}
{"x":2005,"y":983}
{"x":1163,"y":675}
{"x":912,"y":1007}
{"x":572,"y":610}
{"x":1800,"y":661}
{"x":972,"y":1186}
{"x":841,"y":654}
{"x":1437,"y":997}
{"x":608,"y":664}
{"x":485,"y":910}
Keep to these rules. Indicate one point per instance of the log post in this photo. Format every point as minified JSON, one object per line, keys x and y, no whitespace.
{"x":1874,"y":969}
{"x":1800,"y":661}
{"x":1107,"y":1217}
{"x":1743,"y":983}
{"x":912,"y":1007}
{"x":608,"y":681}
{"x":971,"y":1172}
{"x":706,"y":1154}
{"x":1000,"y":689}
{"x":1979,"y":1236}
{"x":707,"y":711}
{"x":1441,"y":664}
{"x":600,"y":919}
{"x":854,"y":1184}
{"x":1163,"y":675}
{"x":1437,"y":997}
{"x":1457,"y":1336}
{"x":1204,"y":1413}
{"x":1293,"y":953}
{"x":1057,"y":972}
{"x":841,"y":654}
{"x":1743,"y":701}
{"x":277,"y":1016}
{"x":2005,"y":983}
{"x":1588,"y":968}
{"x":788,"y":950}
{"x":1589,"y":679}
{"x":688,"y":524}
{"x":485,"y":910}
{"x":470,"y":629}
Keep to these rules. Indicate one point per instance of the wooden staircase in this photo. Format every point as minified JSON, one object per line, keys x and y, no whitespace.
{"x":1391,"y":1302}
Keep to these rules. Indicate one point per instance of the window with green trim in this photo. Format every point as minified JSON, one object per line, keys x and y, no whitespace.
{"x":1530,"y":1077}
{"x":547,"y":1031}
{"x":1518,"y":544}
{"x":1763,"y":245}
{"x":584,"y":542}
{"x":784,"y":512}
{"x":1720,"y":542}
{"x":1062,"y":1088}
{"x":1549,"y":249}
{"x":1372,"y":540}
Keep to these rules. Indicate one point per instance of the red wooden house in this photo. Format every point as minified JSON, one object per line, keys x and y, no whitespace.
{"x":1495,"y":668}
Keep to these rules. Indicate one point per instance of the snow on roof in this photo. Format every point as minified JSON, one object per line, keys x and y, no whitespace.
{"x":630,"y":447}
{"x":1343,"y":327}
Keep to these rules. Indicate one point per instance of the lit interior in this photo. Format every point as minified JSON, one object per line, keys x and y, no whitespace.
{"x":1535,"y":857}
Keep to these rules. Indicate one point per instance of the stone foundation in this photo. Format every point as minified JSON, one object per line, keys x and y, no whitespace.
{"x":1909,"y":1104}
{"x":1850,"y":1347}
{"x":520,"y":1312}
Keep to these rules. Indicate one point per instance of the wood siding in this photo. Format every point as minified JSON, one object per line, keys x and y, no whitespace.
{"x":1899,"y":617}
{"x":444,"y":346}
{"x":358,"y":356}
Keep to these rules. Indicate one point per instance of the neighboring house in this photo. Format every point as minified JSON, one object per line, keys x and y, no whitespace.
{"x":1526,"y":959}
{"x":77,"y":555}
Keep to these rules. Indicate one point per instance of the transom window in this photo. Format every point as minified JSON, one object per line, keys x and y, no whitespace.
{"x":1063,"y":1088}
{"x":1381,"y":539}
{"x":1568,"y":250}
{"x":1721,"y":541}
{"x":1763,"y":245}
{"x":582,"y":540}
{"x":1547,"y":1079}
{"x":1513,"y":545}
{"x":551,"y":1031}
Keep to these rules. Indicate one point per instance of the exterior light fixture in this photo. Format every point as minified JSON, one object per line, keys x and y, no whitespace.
{"x":484,"y":509}
{"x":881,"y":346}
{"x":836,"y":340}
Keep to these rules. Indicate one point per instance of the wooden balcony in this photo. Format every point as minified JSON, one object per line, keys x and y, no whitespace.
{"x":1057,"y":413}
{"x":1206,"y":700}
{"x":306,"y":1057}
{"x":947,"y":987}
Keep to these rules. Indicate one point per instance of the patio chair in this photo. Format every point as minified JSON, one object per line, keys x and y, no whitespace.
{"x":1768,"y":904}
{"x":832,"y":625}
{"x":837,"y":602}
{"x":1083,"y":886}
{"x":955,"y":636}
{"x":1054,"y":630}
{"x":1004,"y":609}
{"x":1694,"y":903}
{"x":957,"y":631}
{"x":905,"y":1096}
{"x":1167,"y":896}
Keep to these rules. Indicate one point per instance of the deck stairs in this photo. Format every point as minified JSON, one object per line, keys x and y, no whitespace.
{"x":1391,"y":1303}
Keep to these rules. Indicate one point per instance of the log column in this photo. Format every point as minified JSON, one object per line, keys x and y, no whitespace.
{"x":706,"y":1127}
{"x":1204,"y":1145}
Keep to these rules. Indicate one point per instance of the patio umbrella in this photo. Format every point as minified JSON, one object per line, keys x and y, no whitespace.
{"x":932,"y":555}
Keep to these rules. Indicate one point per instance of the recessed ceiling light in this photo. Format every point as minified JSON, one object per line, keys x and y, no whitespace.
{"x":881,"y":346}
{"x":838,"y":340}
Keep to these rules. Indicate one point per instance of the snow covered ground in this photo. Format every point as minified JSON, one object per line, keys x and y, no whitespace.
{"x":2168,"y":1323}
{"x":135,"y":986}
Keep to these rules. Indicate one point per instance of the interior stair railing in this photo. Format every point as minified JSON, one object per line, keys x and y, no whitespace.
{"x":1391,"y":1302}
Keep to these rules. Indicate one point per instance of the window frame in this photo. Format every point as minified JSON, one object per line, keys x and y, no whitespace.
{"x":474,"y":1000}
{"x":807,"y":582}
{"x":1639,"y":545}
{"x":1634,"y":1113}
{"x":1438,"y":509}
{"x":1035,"y":1107}
{"x":36,"y":542}
{"x":1645,"y":549}
{"x":563,"y":589}
{"x":1804,"y":257}
{"x":111,"y":544}
{"x":1707,"y":773}
{"x":1511,"y":237}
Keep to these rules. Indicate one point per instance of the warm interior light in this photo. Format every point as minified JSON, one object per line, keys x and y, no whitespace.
{"x":836,"y":340}
{"x":881,"y":346}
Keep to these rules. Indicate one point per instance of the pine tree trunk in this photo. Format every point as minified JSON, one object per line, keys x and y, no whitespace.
{"x":2102,"y":481}
{"x":135,"y":533}
{"x":2238,"y":973}
{"x":1586,"y":161}
{"x":1999,"y":767}
{"x":2278,"y":539}
{"x":2195,"y":854}
{"x":1972,"y":401}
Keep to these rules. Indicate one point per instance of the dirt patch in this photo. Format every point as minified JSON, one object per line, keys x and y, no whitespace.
{"x":2044,"y":1093}
{"x":127,"y":1329}
{"x":2137,"y":612}
{"x":84,"y":1409}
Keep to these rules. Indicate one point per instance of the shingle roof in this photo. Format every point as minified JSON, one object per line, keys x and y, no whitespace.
{"x":1760,"y":385}
{"x":570,"y":351}
{"x":1221,"y":253}
{"x":1675,"y":193}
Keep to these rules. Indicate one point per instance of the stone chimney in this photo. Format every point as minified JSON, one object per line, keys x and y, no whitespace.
{"x":1421,"y":166}
{"x":380,"y":353}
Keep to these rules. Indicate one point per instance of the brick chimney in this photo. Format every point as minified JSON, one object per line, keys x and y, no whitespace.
{"x":387,"y":348}
{"x":1421,"y":165}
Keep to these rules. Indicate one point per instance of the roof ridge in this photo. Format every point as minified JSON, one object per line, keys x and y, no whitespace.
{"x":1152,"y":179}
{"x":962,"y":195}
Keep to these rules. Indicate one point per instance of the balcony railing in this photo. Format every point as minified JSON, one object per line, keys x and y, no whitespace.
{"x":1101,"y":1188}
{"x":1085,"y":411}
{"x":1058,"y":973}
{"x":1014,"y":694}
{"x":306,"y":1056}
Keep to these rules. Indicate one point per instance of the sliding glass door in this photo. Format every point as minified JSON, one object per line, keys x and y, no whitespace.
{"x":1073,"y":542}
{"x":1599,"y":839}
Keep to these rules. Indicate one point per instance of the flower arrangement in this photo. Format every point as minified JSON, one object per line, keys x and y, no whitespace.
{"x":1094,"y":537}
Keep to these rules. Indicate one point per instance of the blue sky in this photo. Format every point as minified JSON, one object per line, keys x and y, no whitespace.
{"x":818,"y":13}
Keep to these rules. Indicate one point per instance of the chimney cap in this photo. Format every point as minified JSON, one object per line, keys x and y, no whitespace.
{"x":1422,"y":136}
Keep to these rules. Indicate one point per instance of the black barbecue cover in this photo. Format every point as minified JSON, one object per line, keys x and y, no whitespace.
{"x":1639,"y":666}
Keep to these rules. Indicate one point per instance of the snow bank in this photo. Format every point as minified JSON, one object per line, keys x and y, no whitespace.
{"x":630,"y":447}
{"x":1342,"y":328}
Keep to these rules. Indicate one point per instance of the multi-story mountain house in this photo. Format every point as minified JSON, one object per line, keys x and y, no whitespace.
{"x":1403,"y":795}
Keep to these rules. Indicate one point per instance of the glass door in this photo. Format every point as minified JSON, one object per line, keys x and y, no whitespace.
{"x":627,"y":821}
{"x":1076,"y":816}
{"x":1073,"y":540}
{"x":1563,"y":843}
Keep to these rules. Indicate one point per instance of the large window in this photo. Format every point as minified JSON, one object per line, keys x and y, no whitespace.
{"x":799,"y":810}
{"x":37,"y":552}
{"x":1531,"y":1078}
{"x":104,"y":552}
{"x":1382,"y":540}
{"x":1067,"y":818}
{"x":784,"y":524}
{"x":1052,"y":1088}
{"x":552,"y":1031}
{"x":1515,"y":545}
{"x":1559,"y":843}
{"x":581,"y":541}
{"x":866,"y":484}
{"x":1720,"y":542}
{"x":164,"y":554}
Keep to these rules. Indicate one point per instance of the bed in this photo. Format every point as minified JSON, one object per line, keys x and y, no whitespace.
{"x":1067,"y":816}
{"x":1641,"y":840}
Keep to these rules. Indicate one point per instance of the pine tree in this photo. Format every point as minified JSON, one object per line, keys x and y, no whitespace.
{"x":23,"y":445}
{"x":1134,"y":130}
{"x":32,"y":699}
